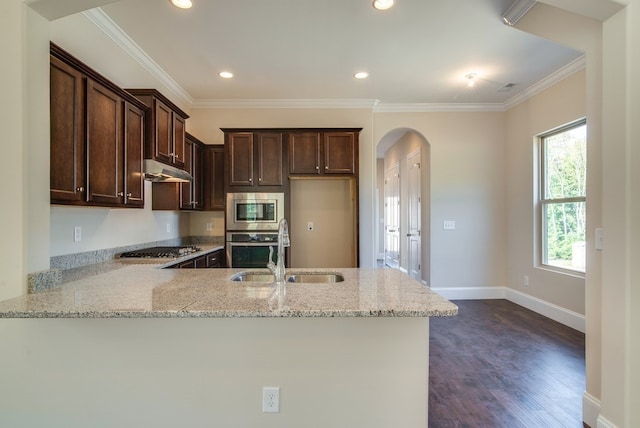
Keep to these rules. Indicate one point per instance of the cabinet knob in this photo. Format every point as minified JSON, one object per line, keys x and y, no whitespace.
{"x":120,"y":193}
{"x":260,"y":179}
{"x":129,"y":195}
{"x":250,"y":180}
{"x":326,"y":167}
{"x":80,"y":189}
{"x":317,"y":168}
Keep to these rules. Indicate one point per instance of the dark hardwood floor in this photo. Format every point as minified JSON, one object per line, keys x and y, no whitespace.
{"x":498,"y":364}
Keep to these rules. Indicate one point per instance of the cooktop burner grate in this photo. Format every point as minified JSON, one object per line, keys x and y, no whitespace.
{"x":161,"y":252}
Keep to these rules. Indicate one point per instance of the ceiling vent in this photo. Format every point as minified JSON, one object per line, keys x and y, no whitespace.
{"x":507,"y":87}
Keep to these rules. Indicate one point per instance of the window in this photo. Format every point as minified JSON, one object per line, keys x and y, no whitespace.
{"x":563,"y":175}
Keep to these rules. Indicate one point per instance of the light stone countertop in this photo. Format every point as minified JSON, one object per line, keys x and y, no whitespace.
{"x":131,"y":290}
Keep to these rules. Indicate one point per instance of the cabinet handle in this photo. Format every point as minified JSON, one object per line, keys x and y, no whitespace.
{"x":326,"y":167}
{"x":129,"y":195}
{"x":80,"y":189}
{"x":317,"y":168}
{"x":250,"y":180}
{"x":260,"y":179}
{"x":120,"y":193}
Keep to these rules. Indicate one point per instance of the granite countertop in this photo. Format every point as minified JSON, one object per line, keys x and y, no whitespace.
{"x":125,"y":289}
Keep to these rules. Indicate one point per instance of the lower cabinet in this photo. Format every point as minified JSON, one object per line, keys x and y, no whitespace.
{"x":215,"y":259}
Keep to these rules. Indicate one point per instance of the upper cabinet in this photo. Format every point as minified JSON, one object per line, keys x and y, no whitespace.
{"x":97,"y":134}
{"x":319,"y":152}
{"x":254,"y":160}
{"x":165,"y":128}
{"x":214,"y":178}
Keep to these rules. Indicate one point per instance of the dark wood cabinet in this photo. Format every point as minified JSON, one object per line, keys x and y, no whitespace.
{"x":105,"y":144}
{"x":184,"y":196}
{"x":213,"y":260}
{"x":323,"y":152}
{"x":254,"y":159}
{"x":165,"y":128}
{"x":96,"y":137}
{"x":67,"y":173}
{"x":214,"y":178}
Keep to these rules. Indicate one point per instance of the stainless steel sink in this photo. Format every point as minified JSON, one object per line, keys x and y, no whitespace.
{"x":253,"y":277}
{"x":315,"y":277}
{"x":306,"y":277}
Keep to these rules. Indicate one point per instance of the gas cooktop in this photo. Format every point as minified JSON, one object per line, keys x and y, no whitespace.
{"x":160,"y":252}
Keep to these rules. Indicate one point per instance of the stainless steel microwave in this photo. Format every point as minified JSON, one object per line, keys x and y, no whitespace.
{"x":254,"y":211}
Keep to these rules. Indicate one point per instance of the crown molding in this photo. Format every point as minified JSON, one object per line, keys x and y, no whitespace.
{"x":115,"y":33}
{"x":437,"y":107}
{"x":284,"y":103}
{"x":557,"y":76}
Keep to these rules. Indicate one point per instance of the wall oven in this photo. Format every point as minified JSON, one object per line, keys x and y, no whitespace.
{"x":254,"y":211}
{"x":250,"y":250}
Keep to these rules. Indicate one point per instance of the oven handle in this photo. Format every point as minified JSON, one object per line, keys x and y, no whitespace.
{"x":252,"y":244}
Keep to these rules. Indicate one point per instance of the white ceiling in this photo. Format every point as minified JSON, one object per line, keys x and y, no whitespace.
{"x":417,"y":52}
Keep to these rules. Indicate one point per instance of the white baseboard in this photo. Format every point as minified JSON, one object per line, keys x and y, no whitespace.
{"x":549,"y":310}
{"x":590,"y":409}
{"x":604,"y":423}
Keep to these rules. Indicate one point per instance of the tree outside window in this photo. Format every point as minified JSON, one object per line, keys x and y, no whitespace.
{"x":563,"y":197}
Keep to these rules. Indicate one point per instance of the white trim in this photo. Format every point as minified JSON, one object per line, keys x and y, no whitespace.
{"x":590,"y":409}
{"x":115,"y":33}
{"x":605,"y":423}
{"x":549,"y":310}
{"x":284,"y":103}
{"x":470,"y":293}
{"x":555,"y":77}
{"x":437,"y":107}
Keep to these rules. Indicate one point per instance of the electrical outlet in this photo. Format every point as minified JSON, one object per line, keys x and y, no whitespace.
{"x":209,"y":227}
{"x":271,"y":399}
{"x":168,"y":228}
{"x":525,"y":281}
{"x":77,"y":234}
{"x":449,"y":224}
{"x":310,"y":226}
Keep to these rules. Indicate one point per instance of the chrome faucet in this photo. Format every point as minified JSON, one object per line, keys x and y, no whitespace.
{"x":278,"y":268}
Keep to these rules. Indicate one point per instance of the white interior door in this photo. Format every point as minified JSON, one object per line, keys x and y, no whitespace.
{"x":392,"y":217}
{"x":414,"y":209}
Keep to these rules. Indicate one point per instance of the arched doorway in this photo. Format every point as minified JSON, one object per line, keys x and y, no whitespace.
{"x":404,"y":202}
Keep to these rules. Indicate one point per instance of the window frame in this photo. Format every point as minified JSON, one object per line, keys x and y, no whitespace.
{"x":544,"y":202}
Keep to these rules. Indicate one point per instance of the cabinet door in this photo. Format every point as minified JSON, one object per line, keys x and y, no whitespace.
{"x":240,"y":158}
{"x":198,"y":179}
{"x":134,"y":155}
{"x":186,"y":189}
{"x":339,"y":152}
{"x":215,"y":259}
{"x":270,"y":159}
{"x":214,"y":178}
{"x":67,"y":174}
{"x":163,"y":118}
{"x":179,"y":151}
{"x":105,"y":155}
{"x":304,"y":153}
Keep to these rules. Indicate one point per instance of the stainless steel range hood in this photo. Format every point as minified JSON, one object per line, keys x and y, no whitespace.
{"x":161,"y":173}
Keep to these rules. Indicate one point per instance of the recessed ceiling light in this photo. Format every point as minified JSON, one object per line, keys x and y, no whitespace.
{"x":225,"y":74}
{"x":182,"y":4}
{"x":361,"y":75}
{"x":471,"y":79}
{"x":382,"y":4}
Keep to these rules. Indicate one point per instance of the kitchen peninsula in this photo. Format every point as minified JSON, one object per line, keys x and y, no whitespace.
{"x":160,"y":347}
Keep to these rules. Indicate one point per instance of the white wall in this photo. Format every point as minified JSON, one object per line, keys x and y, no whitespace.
{"x":563,"y":103}
{"x":332,"y":372}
